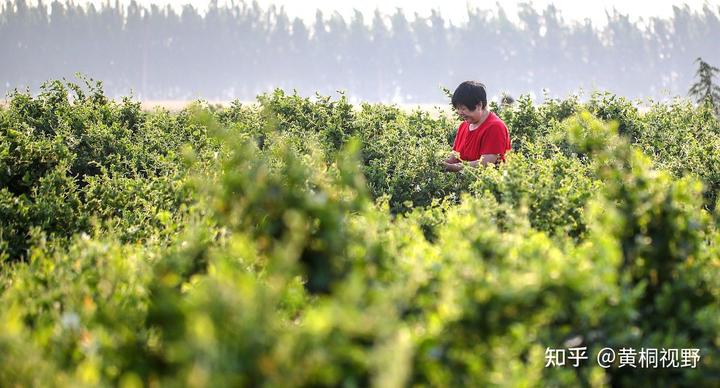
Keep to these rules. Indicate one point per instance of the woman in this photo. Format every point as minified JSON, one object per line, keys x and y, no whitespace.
{"x":482,"y":137}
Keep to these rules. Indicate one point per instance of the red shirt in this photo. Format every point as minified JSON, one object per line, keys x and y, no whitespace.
{"x":491,"y":137}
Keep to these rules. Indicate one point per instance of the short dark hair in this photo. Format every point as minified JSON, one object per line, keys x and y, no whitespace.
{"x":470,"y":94}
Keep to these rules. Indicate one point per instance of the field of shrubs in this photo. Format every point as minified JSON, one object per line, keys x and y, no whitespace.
{"x":309,"y":242}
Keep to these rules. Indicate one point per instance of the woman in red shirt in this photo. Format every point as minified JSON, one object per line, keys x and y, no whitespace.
{"x":482,"y":137}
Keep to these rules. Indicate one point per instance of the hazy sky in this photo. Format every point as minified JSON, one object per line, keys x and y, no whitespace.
{"x":455,"y":9}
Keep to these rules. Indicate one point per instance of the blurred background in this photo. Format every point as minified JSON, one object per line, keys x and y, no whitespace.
{"x":390,"y":51}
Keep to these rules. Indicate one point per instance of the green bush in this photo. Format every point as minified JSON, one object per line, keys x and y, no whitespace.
{"x":67,"y":159}
{"x":308,"y":242}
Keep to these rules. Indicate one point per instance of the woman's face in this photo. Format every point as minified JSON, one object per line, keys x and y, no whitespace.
{"x":471,"y":116}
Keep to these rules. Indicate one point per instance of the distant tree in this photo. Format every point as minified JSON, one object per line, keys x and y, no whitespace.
{"x":358,"y":50}
{"x":381,"y":58}
{"x":336,"y":52}
{"x":704,"y":89}
{"x":433,"y":53}
{"x":404,"y":55}
{"x":239,"y":49}
{"x":302,"y":62}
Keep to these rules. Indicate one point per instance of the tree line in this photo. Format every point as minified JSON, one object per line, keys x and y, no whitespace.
{"x":241,"y":49}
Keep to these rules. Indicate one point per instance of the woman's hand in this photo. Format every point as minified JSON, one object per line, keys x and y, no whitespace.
{"x":452,"y":167}
{"x":452,"y":159}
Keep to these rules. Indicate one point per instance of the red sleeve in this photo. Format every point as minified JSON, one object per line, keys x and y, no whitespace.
{"x":495,"y":140}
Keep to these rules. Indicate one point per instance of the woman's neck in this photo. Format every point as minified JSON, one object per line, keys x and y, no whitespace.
{"x":483,"y":117}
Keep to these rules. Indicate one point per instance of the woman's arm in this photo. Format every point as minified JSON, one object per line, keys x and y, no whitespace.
{"x":484,"y":160}
{"x":452,"y":167}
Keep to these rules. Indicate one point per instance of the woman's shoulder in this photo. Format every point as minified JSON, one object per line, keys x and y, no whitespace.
{"x":496,"y":120}
{"x":494,"y":117}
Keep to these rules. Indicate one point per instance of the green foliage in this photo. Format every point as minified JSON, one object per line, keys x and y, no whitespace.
{"x":684,"y":140}
{"x":308,"y":242}
{"x":668,"y":247}
{"x":402,"y":154}
{"x":553,"y":192}
{"x":66,"y":159}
